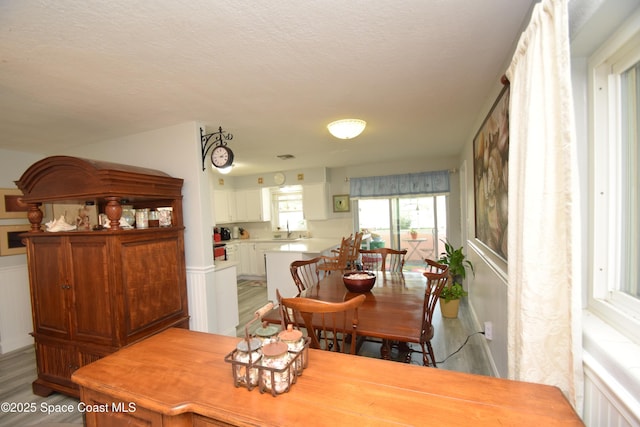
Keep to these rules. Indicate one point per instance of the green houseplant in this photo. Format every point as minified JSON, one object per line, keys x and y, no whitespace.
{"x":453,"y":292}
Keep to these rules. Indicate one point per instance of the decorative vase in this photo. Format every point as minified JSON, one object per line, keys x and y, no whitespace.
{"x":449,"y":309}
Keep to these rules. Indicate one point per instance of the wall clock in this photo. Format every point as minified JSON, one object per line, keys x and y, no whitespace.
{"x":279,"y":178}
{"x":221,"y":156}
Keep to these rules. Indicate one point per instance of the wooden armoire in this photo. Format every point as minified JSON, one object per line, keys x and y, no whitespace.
{"x":97,"y":290}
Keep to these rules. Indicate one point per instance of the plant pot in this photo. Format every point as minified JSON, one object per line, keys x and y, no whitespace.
{"x":414,"y":236}
{"x":449,"y":309}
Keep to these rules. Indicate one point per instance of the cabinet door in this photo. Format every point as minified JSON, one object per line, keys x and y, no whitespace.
{"x":245,"y":257}
{"x":252,"y":205}
{"x":152,"y":278}
{"x":224,"y":206}
{"x":92,"y":318}
{"x":50,"y":286}
{"x":242,"y":210}
{"x":314,"y":200}
{"x":56,"y":362}
{"x":260,"y":258}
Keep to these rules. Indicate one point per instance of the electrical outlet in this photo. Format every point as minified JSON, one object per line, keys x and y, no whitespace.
{"x":488,"y":330}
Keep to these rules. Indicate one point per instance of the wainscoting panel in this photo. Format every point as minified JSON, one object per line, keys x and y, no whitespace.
{"x":15,"y":308}
{"x":488,"y":300}
{"x":606,"y":402}
{"x":197,"y":296}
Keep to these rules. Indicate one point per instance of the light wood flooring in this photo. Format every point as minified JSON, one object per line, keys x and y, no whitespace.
{"x":18,"y":369}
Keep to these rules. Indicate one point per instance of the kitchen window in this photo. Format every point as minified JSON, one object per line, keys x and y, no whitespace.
{"x":615,"y":251}
{"x":287,"y":209}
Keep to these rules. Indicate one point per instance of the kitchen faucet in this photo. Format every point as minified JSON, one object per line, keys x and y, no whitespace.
{"x":288,"y":232}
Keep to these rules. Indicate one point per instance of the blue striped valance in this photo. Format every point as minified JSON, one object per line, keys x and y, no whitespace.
{"x":399,"y":185}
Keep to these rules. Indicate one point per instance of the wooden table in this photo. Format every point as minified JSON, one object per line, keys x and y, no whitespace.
{"x":392,"y":310}
{"x":180,"y":378}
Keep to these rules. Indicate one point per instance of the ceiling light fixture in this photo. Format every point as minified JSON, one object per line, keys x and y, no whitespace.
{"x":226,"y":170}
{"x":346,"y":128}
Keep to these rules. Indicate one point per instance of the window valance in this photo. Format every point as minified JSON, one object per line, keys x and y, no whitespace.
{"x":398,"y":185}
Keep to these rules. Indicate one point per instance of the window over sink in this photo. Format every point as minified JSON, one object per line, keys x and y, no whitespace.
{"x":287,"y":214}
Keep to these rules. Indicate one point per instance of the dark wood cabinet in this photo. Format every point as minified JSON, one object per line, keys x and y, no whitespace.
{"x":93,"y":292}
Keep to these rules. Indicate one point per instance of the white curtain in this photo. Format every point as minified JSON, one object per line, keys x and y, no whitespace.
{"x":544,"y":343}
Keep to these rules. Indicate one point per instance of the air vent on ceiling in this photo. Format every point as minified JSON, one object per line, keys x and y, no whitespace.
{"x":286,"y":156}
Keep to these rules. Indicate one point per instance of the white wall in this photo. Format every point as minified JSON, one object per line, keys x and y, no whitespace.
{"x":15,"y":305}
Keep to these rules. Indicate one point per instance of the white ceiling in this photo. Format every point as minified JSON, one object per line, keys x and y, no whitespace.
{"x":273,"y":73}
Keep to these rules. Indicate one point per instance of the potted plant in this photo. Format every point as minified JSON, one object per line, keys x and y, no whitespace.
{"x":413,"y":233}
{"x":453,"y":292}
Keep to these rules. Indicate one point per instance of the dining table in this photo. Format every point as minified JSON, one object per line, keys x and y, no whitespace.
{"x":392,"y":310}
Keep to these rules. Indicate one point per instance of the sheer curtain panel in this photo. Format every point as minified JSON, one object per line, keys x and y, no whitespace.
{"x":544,"y":344}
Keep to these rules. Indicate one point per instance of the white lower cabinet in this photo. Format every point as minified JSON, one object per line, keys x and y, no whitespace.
{"x":246,"y":258}
{"x":251,"y":259}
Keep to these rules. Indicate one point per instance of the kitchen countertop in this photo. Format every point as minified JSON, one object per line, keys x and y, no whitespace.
{"x":305,"y":246}
{"x":220,"y":265}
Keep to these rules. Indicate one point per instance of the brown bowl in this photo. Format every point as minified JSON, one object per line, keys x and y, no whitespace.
{"x":359,"y":285}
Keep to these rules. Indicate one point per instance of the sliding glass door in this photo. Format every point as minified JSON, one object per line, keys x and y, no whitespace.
{"x":416,"y":223}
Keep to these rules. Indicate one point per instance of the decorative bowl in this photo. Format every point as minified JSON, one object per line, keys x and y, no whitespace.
{"x":359,"y":281}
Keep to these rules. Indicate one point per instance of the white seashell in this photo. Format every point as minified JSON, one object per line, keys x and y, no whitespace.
{"x":59,"y":225}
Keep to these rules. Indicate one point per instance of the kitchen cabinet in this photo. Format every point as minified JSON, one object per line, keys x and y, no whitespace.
{"x":232,"y":251}
{"x":251,"y":258}
{"x":246,"y":258}
{"x":261,"y":250}
{"x":314,"y":200}
{"x":224,"y":206}
{"x":93,"y":292}
{"x":252,"y":205}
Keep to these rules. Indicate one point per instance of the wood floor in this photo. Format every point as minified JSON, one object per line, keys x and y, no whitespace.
{"x":18,"y":369}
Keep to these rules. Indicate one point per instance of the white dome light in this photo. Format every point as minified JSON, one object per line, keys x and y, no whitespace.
{"x":346,"y":128}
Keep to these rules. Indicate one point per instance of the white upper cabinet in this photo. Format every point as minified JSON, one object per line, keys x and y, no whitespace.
{"x":224,"y":206}
{"x":252,"y":205}
{"x":314,"y":199}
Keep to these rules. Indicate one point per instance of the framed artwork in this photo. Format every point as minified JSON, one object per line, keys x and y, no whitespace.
{"x":491,"y":176}
{"x":11,"y":205}
{"x":10,"y":242}
{"x":341,"y":203}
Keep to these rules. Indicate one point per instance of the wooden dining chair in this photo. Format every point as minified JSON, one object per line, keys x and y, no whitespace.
{"x":437,"y":276}
{"x":383,"y":259}
{"x":305,"y":273}
{"x":338,"y":262}
{"x":354,"y":251}
{"x":331,"y":326}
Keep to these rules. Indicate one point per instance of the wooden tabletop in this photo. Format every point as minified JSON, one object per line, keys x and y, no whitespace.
{"x":392,"y":310}
{"x":180,"y":371}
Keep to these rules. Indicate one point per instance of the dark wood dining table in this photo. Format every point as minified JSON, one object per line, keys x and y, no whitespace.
{"x":392,"y":310}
